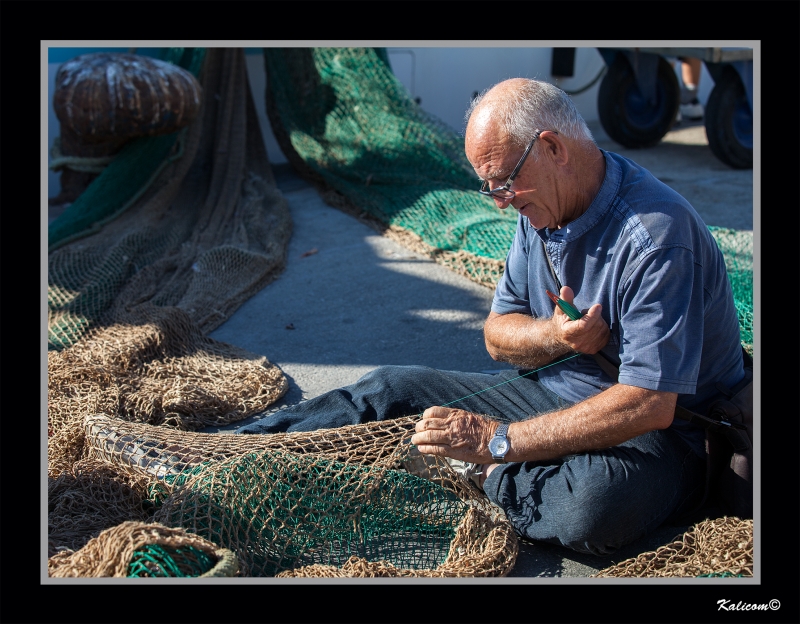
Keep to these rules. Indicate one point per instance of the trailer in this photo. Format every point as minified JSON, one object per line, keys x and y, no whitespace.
{"x":639,"y":97}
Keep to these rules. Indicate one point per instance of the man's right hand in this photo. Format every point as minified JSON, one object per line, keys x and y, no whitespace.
{"x":530,"y":342}
{"x":588,"y":334}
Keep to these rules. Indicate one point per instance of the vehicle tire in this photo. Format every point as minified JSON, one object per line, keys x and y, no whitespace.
{"x":729,"y":122}
{"x":626,"y":115}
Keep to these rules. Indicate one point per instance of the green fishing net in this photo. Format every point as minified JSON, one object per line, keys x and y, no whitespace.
{"x":156,"y":560}
{"x":286,"y":510}
{"x":308,"y":503}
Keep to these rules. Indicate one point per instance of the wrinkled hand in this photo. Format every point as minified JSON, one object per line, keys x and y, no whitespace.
{"x":588,"y":334}
{"x":455,"y":433}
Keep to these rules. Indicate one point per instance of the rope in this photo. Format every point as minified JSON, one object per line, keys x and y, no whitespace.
{"x":76,"y":163}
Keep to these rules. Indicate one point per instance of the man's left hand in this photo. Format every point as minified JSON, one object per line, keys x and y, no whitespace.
{"x":455,"y":433}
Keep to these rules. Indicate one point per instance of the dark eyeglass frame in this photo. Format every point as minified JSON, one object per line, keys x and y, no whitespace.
{"x":504,"y":192}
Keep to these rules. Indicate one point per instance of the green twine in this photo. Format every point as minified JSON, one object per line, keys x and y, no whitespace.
{"x":154,"y":560}
{"x":512,"y":379}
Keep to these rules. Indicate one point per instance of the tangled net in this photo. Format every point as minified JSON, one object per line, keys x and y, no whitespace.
{"x":718,"y":547}
{"x":138,"y":549}
{"x":324,"y":503}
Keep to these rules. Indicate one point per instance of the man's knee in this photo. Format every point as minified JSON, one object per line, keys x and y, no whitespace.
{"x":580,"y":512}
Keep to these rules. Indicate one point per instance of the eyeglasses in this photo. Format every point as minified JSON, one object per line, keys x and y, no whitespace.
{"x":504,"y":192}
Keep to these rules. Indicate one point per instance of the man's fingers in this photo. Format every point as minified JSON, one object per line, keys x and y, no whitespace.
{"x":595,"y":311}
{"x":442,"y":451}
{"x":432,"y":420}
{"x":436,"y":411}
{"x":431,"y":436}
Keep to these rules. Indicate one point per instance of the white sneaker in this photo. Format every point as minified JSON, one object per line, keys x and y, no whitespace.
{"x":693,"y":110}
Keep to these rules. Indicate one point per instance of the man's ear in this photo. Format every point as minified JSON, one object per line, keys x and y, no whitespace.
{"x":555,"y":147}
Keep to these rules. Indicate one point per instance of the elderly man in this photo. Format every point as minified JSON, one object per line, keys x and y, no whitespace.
{"x":580,"y":447}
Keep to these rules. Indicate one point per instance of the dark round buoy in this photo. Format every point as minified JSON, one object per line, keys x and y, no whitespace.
{"x":104,"y":100}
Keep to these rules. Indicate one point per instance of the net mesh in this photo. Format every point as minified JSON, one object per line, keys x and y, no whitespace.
{"x":203,"y":235}
{"x":718,"y":547}
{"x":162,"y":247}
{"x":144,"y":549}
{"x":307,"y":504}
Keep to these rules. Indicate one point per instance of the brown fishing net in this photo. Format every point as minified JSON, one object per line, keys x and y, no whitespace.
{"x":333,"y":502}
{"x":720,"y":547}
{"x":132,"y":295}
{"x":139,"y":549}
{"x":159,"y":369}
{"x":204,"y":235}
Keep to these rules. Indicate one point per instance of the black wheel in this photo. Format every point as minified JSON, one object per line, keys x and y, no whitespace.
{"x":729,"y":122}
{"x":626,"y":114}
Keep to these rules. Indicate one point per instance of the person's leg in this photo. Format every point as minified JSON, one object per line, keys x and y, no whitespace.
{"x":599,"y":501}
{"x":690,"y":72}
{"x":690,"y":106}
{"x":396,"y":391}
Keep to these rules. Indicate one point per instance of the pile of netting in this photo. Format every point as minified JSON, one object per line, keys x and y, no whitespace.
{"x":203,"y":230}
{"x":721,"y":547}
{"x":140,"y":549}
{"x":335,"y":502}
{"x":348,"y":125}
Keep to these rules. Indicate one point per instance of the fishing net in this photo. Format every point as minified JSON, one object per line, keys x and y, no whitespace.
{"x":204,"y":232}
{"x":721,"y":547}
{"x":159,"y":370}
{"x":347,"y":124}
{"x":140,"y":549}
{"x":309,"y":504}
{"x":737,"y":248}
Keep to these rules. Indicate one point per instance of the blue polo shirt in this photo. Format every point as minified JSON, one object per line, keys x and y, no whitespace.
{"x":644,"y":254}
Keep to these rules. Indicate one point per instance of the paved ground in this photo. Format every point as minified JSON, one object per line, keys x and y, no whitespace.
{"x":361,"y":300}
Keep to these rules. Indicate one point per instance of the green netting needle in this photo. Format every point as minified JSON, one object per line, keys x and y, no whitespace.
{"x":570,"y":310}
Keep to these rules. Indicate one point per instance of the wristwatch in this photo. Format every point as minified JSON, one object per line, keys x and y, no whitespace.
{"x":499,"y":444}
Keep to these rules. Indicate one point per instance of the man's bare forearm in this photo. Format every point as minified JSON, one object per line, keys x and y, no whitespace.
{"x":608,"y":419}
{"x":522,"y":340}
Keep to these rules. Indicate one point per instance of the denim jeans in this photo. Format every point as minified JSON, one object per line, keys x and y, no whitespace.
{"x":593,"y":502}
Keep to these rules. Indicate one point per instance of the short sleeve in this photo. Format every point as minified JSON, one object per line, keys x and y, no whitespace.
{"x":661,"y":322}
{"x":511,"y":293}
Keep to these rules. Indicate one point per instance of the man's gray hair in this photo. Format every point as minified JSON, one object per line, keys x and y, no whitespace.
{"x":533,"y":106}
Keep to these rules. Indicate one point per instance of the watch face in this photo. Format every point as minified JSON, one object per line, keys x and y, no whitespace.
{"x":498,"y":446}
